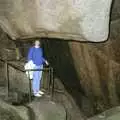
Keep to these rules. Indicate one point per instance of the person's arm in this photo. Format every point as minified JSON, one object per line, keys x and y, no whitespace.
{"x":44,"y":60}
{"x":30,"y":54}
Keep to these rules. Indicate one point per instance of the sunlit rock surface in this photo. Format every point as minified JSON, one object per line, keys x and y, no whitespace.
{"x":81,"y":20}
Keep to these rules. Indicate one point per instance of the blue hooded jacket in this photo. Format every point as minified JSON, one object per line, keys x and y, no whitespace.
{"x":36,"y":55}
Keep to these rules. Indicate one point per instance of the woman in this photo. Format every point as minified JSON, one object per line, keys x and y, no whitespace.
{"x":36,"y":55}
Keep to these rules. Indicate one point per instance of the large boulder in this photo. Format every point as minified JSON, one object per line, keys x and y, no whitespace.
{"x":42,"y":109}
{"x":47,"y":110}
{"x":89,"y":68}
{"x":82,"y":20}
{"x":8,"y":112}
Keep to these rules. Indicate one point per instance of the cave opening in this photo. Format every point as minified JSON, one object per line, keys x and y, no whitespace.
{"x":59,"y":55}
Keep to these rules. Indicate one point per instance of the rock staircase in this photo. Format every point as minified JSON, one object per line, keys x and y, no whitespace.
{"x":39,"y":109}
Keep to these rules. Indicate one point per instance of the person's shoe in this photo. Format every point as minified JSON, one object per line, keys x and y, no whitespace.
{"x":37,"y":95}
{"x":41,"y":93}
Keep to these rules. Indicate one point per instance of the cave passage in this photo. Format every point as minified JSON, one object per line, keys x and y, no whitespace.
{"x":58,"y":54}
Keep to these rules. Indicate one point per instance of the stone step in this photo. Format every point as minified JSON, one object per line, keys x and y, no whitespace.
{"x":46,"y":109}
{"x":40,"y":110}
{"x":18,"y":97}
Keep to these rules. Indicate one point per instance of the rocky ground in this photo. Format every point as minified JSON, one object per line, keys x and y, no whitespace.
{"x":112,"y":114}
{"x":40,"y":109}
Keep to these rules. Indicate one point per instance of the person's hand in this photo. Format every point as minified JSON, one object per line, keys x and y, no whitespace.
{"x":46,"y":62}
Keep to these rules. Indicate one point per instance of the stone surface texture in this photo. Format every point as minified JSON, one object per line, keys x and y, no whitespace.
{"x":81,"y":20}
{"x":112,"y":114}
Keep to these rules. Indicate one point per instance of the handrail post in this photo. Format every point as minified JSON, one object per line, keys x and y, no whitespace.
{"x":30,"y":90}
{"x":52,"y":80}
{"x":49,"y":82}
{"x":7,"y":79}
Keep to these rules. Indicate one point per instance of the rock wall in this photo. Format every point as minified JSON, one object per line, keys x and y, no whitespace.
{"x":7,"y":47}
{"x":89,"y":69}
{"x":8,"y":52}
{"x":98,"y":72}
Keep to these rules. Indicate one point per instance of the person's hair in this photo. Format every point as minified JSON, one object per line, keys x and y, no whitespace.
{"x":37,"y":40}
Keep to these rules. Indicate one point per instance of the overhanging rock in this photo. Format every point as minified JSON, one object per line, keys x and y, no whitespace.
{"x":82,"y":20}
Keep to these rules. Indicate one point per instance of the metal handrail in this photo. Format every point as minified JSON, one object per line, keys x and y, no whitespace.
{"x":51,"y":77}
{"x":7,"y":61}
{"x":51,"y":80}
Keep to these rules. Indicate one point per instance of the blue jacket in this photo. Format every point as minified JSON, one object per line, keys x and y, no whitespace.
{"x":36,"y":55}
